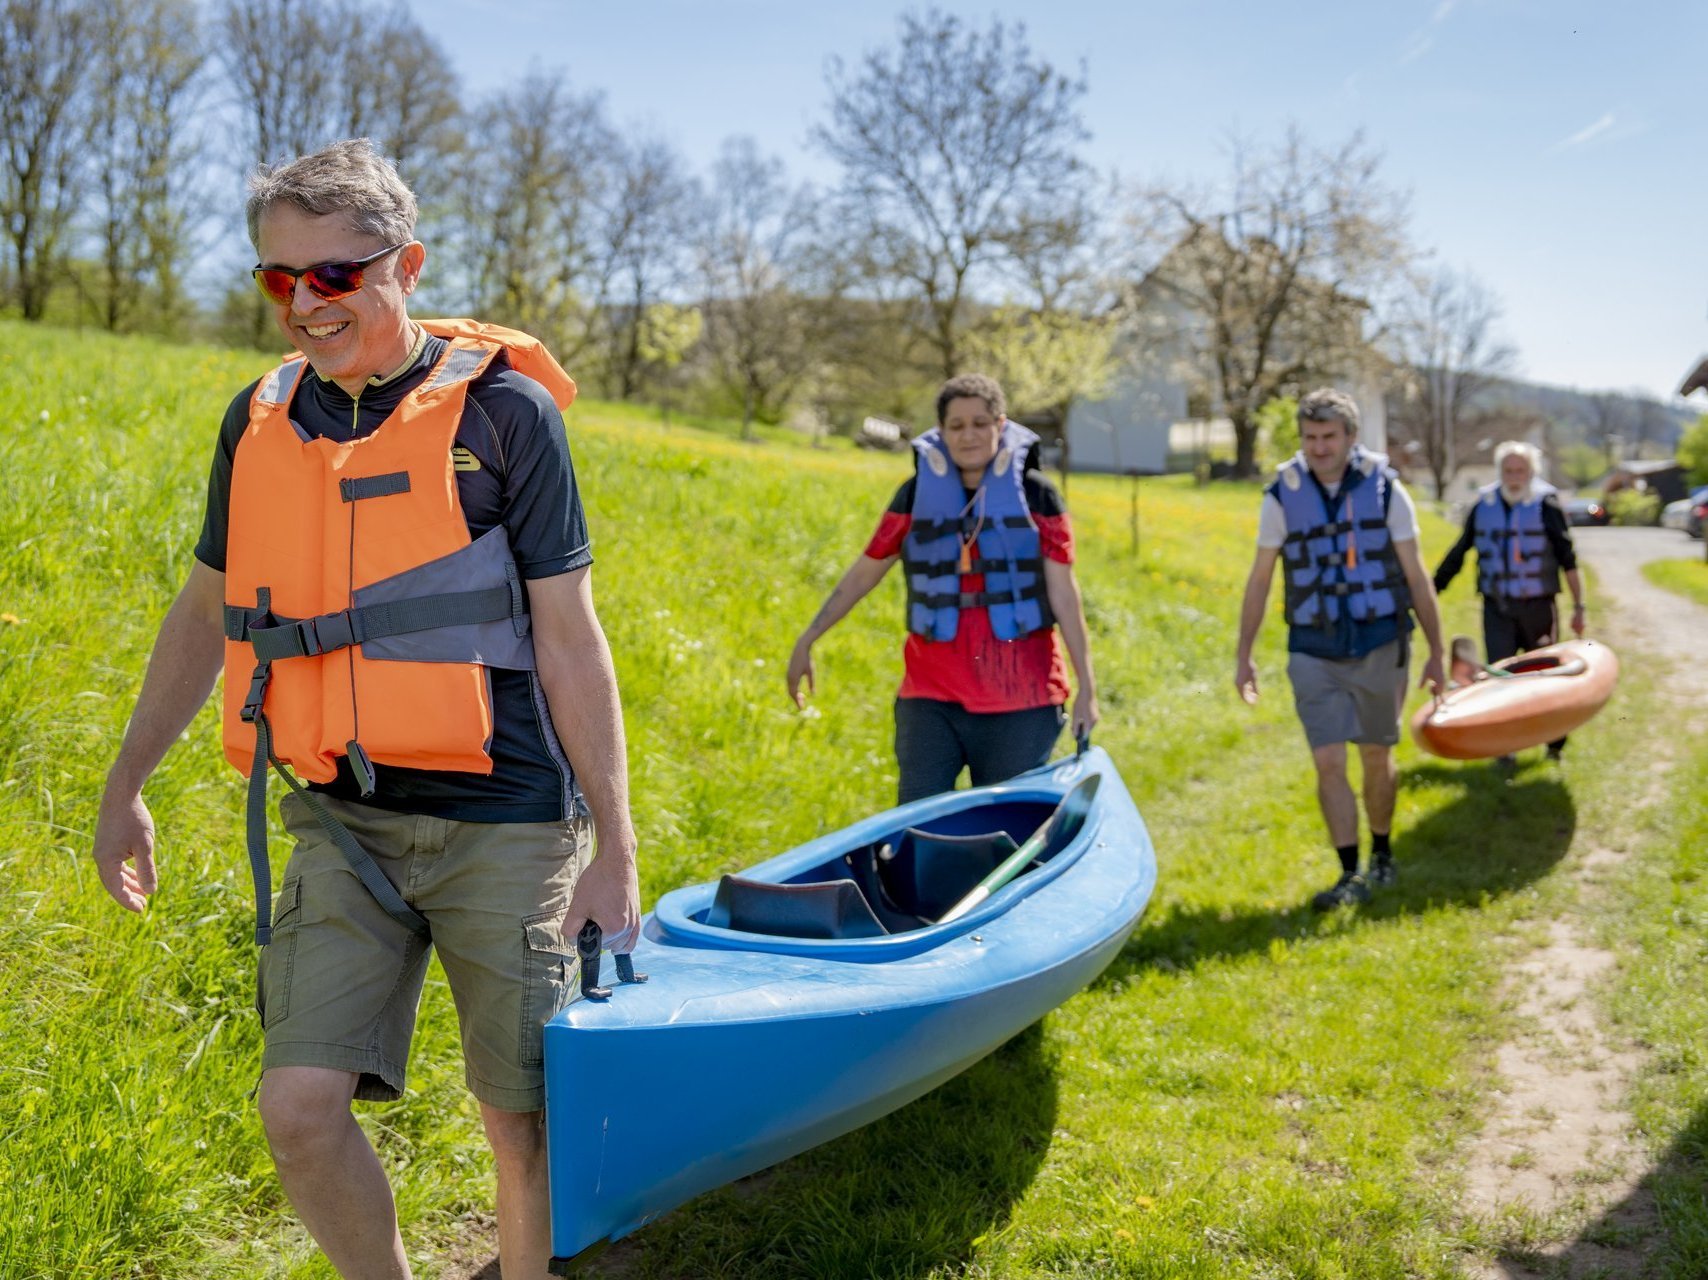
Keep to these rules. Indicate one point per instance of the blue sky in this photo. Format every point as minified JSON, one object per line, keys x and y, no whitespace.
{"x":1557,"y":149}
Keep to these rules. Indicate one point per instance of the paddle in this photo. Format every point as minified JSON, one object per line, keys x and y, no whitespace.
{"x":1074,"y":808}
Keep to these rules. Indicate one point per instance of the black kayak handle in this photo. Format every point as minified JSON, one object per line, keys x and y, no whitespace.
{"x":588,"y":943}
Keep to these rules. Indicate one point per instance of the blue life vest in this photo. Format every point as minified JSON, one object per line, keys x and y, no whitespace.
{"x":1515,"y":560}
{"x":995,"y":529}
{"x":1346,"y":593}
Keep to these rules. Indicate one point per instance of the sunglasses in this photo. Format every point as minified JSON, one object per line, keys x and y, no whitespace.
{"x":329,"y":281}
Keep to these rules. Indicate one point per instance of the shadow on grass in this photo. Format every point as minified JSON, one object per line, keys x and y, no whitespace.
{"x":1498,"y":835}
{"x":1659,"y":1231}
{"x":904,"y":1196}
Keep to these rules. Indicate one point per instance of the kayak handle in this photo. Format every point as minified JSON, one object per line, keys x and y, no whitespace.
{"x":588,"y":943}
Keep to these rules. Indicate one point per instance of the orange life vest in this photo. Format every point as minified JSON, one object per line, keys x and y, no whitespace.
{"x":360,"y":616}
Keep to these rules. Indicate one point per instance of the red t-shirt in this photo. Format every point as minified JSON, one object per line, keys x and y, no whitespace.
{"x":975,"y":669}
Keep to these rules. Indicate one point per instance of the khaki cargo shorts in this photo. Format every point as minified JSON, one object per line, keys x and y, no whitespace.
{"x":341,"y":979}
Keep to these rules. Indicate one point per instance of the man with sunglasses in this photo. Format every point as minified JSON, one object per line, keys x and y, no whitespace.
{"x":394,"y":564}
{"x":1347,"y":530}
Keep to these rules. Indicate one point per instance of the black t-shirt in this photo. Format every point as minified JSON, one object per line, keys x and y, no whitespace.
{"x":512,"y":464}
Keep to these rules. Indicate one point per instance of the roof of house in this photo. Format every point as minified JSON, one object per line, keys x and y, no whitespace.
{"x":1697,"y":379}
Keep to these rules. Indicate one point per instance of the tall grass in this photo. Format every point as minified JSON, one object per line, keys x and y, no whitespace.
{"x":1252,"y":1090}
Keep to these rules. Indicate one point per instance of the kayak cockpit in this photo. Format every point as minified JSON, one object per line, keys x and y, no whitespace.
{"x":886,"y":892}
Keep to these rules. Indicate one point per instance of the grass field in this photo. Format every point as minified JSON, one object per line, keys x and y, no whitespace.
{"x":1250,"y":1091}
{"x":1688,"y":578}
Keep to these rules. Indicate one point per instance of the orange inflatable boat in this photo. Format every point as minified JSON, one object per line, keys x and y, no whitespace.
{"x":1517,"y":703}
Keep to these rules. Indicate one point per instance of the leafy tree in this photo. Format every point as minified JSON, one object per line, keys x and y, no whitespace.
{"x":1581,"y":463}
{"x":1044,"y":359}
{"x":1693,"y":450}
{"x":1278,"y":429}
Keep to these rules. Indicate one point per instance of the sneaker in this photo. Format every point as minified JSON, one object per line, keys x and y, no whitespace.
{"x":1382,"y":873}
{"x":1350,"y":888}
{"x":1556,"y":750}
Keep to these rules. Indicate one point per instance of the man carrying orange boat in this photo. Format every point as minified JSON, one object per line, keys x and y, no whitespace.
{"x":1340,"y":518}
{"x":1523,"y":546}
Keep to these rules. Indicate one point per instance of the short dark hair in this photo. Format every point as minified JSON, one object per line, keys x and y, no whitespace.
{"x":1326,"y":404}
{"x":978,"y":385}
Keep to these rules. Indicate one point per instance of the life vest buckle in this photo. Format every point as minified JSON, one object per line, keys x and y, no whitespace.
{"x":257,"y":693}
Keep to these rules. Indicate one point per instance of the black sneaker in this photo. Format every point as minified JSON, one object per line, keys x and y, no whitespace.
{"x":1556,"y":750}
{"x":1382,"y":873}
{"x":1349,"y":889}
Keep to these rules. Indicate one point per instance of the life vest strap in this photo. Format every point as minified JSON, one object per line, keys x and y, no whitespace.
{"x":979,"y":600}
{"x":1027,"y":564}
{"x":1333,"y":529}
{"x":926,"y":530}
{"x":358,"y":858}
{"x":311,"y":637}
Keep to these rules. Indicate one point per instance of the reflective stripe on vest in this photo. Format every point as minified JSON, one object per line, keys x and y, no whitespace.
{"x":1515,"y":560}
{"x":356,"y":600}
{"x":992,"y":534}
{"x":1338,"y":553}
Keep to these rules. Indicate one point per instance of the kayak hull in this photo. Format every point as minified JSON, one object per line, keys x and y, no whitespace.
{"x":1544,"y":695}
{"x":743,"y":1050}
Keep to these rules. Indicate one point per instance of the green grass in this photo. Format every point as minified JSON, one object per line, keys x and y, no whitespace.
{"x":1250,"y":1091}
{"x":1688,"y":578}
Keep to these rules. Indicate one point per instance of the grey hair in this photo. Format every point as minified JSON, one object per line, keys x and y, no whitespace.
{"x":348,"y":178}
{"x":1326,"y":404}
{"x":1529,"y":452}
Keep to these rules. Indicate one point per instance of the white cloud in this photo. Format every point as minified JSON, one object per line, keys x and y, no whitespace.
{"x":1583,"y":135}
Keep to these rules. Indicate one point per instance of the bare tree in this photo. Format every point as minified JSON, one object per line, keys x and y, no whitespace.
{"x":948,"y":143}
{"x":1449,"y":354}
{"x":405,"y":98}
{"x":1270,"y":279}
{"x":649,"y":230}
{"x":145,"y":88}
{"x":760,"y":326}
{"x":529,"y":209}
{"x":42,"y":125}
{"x":1609,"y":423}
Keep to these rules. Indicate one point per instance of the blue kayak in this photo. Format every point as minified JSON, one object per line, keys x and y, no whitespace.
{"x":817,"y":991}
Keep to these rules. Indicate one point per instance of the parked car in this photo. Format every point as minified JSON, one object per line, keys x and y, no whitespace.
{"x":1696,"y":515}
{"x":1587,"y":511}
{"x":1676,"y":515}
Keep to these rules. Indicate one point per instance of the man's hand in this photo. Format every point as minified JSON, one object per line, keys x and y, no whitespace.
{"x":1434,"y":676}
{"x":1085,"y":714}
{"x":1245,"y":680}
{"x":608,"y":893}
{"x":124,"y":849}
{"x":800,"y":668}
{"x":1577,"y":620}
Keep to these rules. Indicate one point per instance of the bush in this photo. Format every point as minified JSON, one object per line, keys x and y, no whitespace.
{"x":1630,"y":507}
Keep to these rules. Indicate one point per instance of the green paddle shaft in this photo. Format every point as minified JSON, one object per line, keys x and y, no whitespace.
{"x":1005,"y":871}
{"x":1075,"y":805}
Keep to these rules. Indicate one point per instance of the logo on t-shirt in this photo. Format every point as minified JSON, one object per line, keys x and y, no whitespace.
{"x":463,"y":460}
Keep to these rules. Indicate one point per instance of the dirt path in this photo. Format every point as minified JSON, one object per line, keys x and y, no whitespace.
{"x":1559,"y":1141}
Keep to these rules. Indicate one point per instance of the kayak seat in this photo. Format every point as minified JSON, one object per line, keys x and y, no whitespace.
{"x":823,"y":909}
{"x":929,"y":872}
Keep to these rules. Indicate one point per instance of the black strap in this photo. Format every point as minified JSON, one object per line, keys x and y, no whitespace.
{"x":309,"y":637}
{"x":926,"y":530}
{"x":360,"y":861}
{"x":943,"y":568}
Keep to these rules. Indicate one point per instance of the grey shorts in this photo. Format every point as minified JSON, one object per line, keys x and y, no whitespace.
{"x":1351,"y":699}
{"x":341,"y":979}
